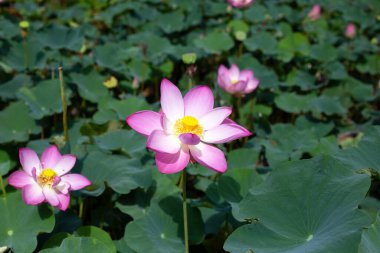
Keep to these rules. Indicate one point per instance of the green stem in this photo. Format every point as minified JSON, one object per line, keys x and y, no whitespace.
{"x":64,"y":105}
{"x":25,"y":46}
{"x":190,"y":82}
{"x":81,"y":204}
{"x":184,"y":206}
{"x":2,"y":187}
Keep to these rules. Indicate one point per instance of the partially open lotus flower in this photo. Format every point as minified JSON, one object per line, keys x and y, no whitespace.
{"x":185,"y":128}
{"x":350,"y":30}
{"x":235,"y":81}
{"x":240,"y":3}
{"x":315,"y":12}
{"x":47,"y":180}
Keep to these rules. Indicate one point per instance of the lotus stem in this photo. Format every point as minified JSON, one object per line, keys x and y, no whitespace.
{"x":184,"y":206}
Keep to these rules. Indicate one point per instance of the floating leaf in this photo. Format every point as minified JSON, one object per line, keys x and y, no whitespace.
{"x":20,"y":224}
{"x":262,"y":41}
{"x":371,"y":238}
{"x":90,"y":86}
{"x":215,"y":42}
{"x":119,"y":172}
{"x":16,"y":128}
{"x":58,"y":36}
{"x":44,"y":99}
{"x":310,"y":201}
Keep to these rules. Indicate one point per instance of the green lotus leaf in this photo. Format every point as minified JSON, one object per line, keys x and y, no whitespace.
{"x":119,"y":172}
{"x":300,"y":205}
{"x":16,"y":128}
{"x":44,"y":99}
{"x":20,"y":224}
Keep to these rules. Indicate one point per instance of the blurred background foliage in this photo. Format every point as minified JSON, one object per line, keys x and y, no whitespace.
{"x":313,"y":159}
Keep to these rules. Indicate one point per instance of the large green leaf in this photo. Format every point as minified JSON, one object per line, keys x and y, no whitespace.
{"x":80,"y":244}
{"x":26,"y":55}
{"x":119,"y":172}
{"x":6,"y":164}
{"x":58,"y":36}
{"x":262,"y":41}
{"x":366,"y":155}
{"x":371,"y":238}
{"x":161,"y":228}
{"x":20,"y":224}
{"x":16,"y":128}
{"x":215,"y":42}
{"x":9,"y":89}
{"x":90,"y":86}
{"x":301,"y":205}
{"x":121,"y":140}
{"x":291,"y":44}
{"x":44,"y":99}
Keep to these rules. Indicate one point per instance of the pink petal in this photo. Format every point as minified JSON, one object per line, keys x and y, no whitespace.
{"x":145,"y":122}
{"x":215,"y":117}
{"x":32,"y":194}
{"x":50,"y":157}
{"x":51,"y":196}
{"x":172,"y":163}
{"x":189,"y":139}
{"x":224,"y":80}
{"x":209,"y":156}
{"x":65,"y":164}
{"x":168,"y":125}
{"x":199,"y":101}
{"x":246,"y":75}
{"x":171,"y":100}
{"x":251,"y":86}
{"x":159,"y":141}
{"x":19,"y":179}
{"x":239,"y":86}
{"x":29,"y":160}
{"x":63,"y":186}
{"x":225,"y":133}
{"x":222,"y":69}
{"x":64,"y":201}
{"x":76,"y":181}
{"x":234,"y":72}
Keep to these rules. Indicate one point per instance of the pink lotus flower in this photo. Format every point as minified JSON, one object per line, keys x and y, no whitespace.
{"x":240,"y":3}
{"x":235,"y":81}
{"x":315,"y":12}
{"x":46,"y":180}
{"x":185,"y":128}
{"x":350,"y":30}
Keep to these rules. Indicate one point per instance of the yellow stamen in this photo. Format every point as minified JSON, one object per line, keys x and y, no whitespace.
{"x":47,"y":177}
{"x":188,"y":124}
{"x":234,"y":81}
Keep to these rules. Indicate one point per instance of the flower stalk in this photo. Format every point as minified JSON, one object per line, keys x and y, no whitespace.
{"x":184,"y":206}
{"x":3,"y":187}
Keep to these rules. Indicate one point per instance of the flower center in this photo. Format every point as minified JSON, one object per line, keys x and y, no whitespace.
{"x":47,"y":177}
{"x":188,"y":124}
{"x":234,"y":81}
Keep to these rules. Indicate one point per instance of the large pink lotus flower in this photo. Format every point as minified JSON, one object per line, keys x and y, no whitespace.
{"x":240,"y":3}
{"x":235,"y":81}
{"x":185,"y":127}
{"x":350,"y":30}
{"x":46,"y":180}
{"x":315,"y":12}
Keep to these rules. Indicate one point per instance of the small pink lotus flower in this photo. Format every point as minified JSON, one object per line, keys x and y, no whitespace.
{"x":46,"y":180}
{"x":350,"y":30}
{"x":235,"y":81}
{"x":185,"y":128}
{"x":240,"y":3}
{"x":315,"y":12}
